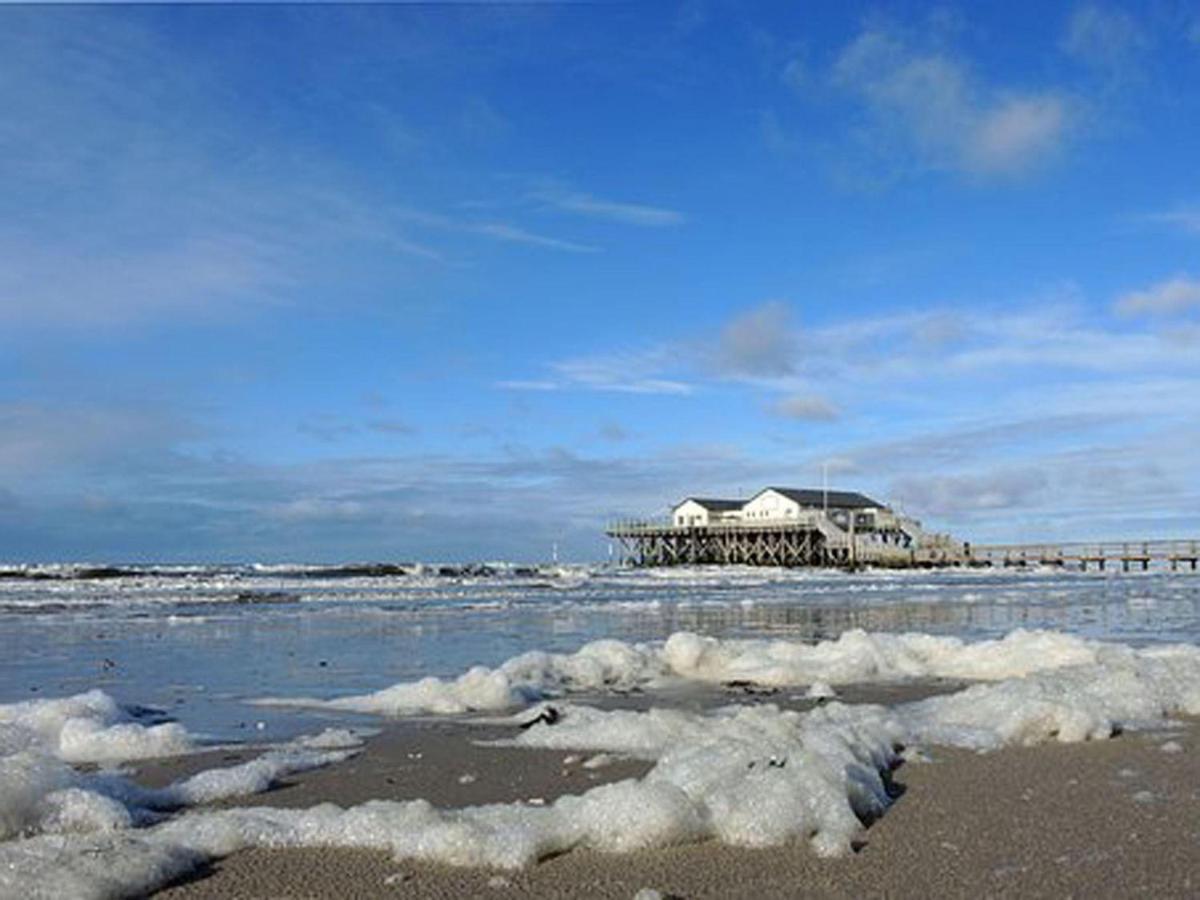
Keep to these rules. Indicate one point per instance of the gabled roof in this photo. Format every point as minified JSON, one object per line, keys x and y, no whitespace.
{"x":816,"y":497}
{"x":712,"y":504}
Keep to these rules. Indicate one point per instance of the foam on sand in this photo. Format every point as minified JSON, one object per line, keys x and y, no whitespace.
{"x":40,"y":793}
{"x":856,"y":656}
{"x":600,"y":665}
{"x":745,"y":775}
{"x":89,"y":727}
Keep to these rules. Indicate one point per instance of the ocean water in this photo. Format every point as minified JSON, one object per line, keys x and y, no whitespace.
{"x":104,"y":667}
{"x":194,"y":643}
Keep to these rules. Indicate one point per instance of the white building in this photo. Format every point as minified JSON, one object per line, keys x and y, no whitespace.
{"x":695,"y":511}
{"x":845,"y":517}
{"x":775,"y":504}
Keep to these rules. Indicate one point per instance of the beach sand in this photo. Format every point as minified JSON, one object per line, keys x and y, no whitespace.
{"x":1119,"y":817}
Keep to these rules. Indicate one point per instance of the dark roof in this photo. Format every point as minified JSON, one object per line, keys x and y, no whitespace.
{"x":713,"y":504}
{"x":815,"y":497}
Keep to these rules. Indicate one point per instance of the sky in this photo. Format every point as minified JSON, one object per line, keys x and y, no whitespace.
{"x":468,"y":281}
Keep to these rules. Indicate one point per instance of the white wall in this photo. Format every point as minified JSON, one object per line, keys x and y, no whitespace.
{"x":770,"y":506}
{"x":689,"y":512}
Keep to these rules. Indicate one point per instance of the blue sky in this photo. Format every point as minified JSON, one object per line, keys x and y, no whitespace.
{"x":464,"y":281}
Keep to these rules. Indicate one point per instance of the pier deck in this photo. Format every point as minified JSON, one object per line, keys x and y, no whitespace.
{"x":1175,"y":554}
{"x":814,"y":541}
{"x":783,"y":544}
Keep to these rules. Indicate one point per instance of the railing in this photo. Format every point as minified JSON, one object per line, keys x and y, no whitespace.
{"x":1128,"y":554}
{"x":807,"y":520}
{"x":1155,"y":549}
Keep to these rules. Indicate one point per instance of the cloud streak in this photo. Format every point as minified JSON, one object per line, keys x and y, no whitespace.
{"x":638,"y":214}
{"x":1185,"y":220}
{"x":513,"y":234}
{"x":1173,"y":296}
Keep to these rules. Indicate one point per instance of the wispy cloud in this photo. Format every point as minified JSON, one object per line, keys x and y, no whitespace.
{"x":123,"y":209}
{"x":641,"y":371}
{"x":951,"y":495}
{"x":1183,"y":219}
{"x":506,"y":232}
{"x":1105,"y":38}
{"x":126,"y":202}
{"x":1175,"y":295}
{"x":513,"y":234}
{"x":38,"y":439}
{"x":319,"y":510}
{"x":631,"y":374}
{"x":759,"y":342}
{"x":626,"y":213}
{"x":806,"y":408}
{"x":930,"y":106}
{"x":820,"y":373}
{"x":527,"y":384}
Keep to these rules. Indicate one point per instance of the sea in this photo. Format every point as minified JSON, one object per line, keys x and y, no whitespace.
{"x":199,"y":643}
{"x":104,"y":667}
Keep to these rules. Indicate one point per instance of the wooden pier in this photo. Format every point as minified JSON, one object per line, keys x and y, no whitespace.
{"x":777,"y":544}
{"x":1129,"y":555}
{"x":809,"y":539}
{"x":814,"y":541}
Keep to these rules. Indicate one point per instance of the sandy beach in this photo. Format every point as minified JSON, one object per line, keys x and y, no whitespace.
{"x":1117,"y":817}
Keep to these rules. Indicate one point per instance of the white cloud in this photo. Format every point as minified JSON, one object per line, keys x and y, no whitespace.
{"x":626,"y":213}
{"x":640,"y":371}
{"x":795,"y":74}
{"x":125,"y":201}
{"x":1015,"y":133}
{"x":796,"y":370}
{"x":805,"y":407}
{"x":319,"y":510}
{"x":499,"y":231}
{"x":1103,"y":37}
{"x":1175,"y":295}
{"x":758,"y":346}
{"x":503,"y":231}
{"x":631,"y":374}
{"x":930,"y":106}
{"x":38,"y":439}
{"x":1182,"y":219}
{"x":948,"y":495}
{"x":527,"y":384}
{"x":760,"y":342}
{"x":137,"y":192}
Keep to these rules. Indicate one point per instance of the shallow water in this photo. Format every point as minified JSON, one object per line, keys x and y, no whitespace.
{"x":198,"y":641}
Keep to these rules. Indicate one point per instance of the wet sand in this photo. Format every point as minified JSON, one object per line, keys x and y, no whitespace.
{"x":1108,"y":818}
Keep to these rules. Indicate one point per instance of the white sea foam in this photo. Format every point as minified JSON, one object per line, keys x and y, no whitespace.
{"x":855,"y":656}
{"x":26,"y":778}
{"x":88,"y":727}
{"x":1122,"y":688}
{"x":746,"y":775}
{"x":599,"y":665}
{"x":859,"y":656}
{"x":40,"y":792}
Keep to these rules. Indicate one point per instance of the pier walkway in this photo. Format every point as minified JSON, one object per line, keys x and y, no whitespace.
{"x":1175,"y":554}
{"x":814,"y":540}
